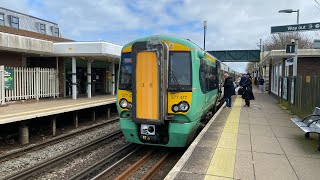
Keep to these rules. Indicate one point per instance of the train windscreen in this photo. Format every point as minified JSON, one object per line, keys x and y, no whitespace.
{"x":180,"y":71}
{"x":126,"y":72}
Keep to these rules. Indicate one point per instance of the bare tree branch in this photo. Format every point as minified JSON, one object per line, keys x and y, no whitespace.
{"x":279,"y":41}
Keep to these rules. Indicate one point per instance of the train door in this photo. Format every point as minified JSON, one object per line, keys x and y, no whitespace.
{"x":147,"y":86}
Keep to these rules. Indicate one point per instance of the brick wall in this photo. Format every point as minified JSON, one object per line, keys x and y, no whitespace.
{"x":309,"y":66}
{"x":10,"y":59}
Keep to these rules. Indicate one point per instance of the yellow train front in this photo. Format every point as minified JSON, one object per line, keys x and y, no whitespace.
{"x":166,"y":86}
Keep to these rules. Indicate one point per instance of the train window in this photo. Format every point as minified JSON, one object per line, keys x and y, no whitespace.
{"x":212,"y":78}
{"x":202,"y":76}
{"x":180,"y":71}
{"x":126,"y":72}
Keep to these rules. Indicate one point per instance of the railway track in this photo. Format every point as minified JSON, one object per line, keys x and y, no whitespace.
{"x":56,"y":140}
{"x":28,"y":172}
{"x":152,"y":160}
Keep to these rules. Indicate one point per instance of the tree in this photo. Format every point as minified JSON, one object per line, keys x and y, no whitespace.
{"x":250,"y":67}
{"x":279,"y":41}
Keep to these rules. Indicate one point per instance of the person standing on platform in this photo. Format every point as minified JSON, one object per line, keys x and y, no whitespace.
{"x":261,"y":84}
{"x":247,"y":92}
{"x":228,"y":89}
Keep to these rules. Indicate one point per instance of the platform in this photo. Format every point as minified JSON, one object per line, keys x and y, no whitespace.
{"x":30,"y":110}
{"x":259,"y":142}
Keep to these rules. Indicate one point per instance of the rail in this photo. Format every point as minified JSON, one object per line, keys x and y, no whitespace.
{"x":28,"y":172}
{"x":58,"y":139}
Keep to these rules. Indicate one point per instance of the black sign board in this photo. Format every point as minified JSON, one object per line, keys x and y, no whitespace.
{"x":296,"y":27}
{"x":290,"y":48}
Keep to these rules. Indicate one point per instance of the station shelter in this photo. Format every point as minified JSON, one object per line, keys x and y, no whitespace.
{"x":36,"y":66}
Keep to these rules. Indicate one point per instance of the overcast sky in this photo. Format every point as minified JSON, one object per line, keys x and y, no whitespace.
{"x":233,"y":24}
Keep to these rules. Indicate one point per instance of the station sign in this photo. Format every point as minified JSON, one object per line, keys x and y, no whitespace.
{"x":8,"y":79}
{"x":290,"y":48}
{"x":296,"y":27}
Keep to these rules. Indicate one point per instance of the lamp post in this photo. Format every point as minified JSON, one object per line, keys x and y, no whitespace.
{"x":204,"y":34}
{"x":295,"y":59}
{"x":291,"y":11}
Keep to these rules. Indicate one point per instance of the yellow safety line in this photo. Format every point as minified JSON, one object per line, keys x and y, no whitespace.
{"x":223,"y":160}
{"x":54,"y":108}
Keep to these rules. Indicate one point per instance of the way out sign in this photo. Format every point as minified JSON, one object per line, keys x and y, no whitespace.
{"x":8,"y":79}
{"x":296,"y":27}
{"x":290,"y":48}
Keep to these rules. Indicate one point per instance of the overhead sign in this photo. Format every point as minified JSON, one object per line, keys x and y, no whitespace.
{"x":290,"y":48}
{"x":296,"y":27}
{"x":8,"y":79}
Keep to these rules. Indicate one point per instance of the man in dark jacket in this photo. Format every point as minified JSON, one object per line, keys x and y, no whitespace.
{"x":247,"y":93}
{"x":228,"y":89}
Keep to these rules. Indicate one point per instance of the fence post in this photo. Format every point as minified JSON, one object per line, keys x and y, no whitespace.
{"x":2,"y":88}
{"x":37,"y":83}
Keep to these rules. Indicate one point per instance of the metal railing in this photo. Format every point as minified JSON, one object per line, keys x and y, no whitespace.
{"x":22,"y":83}
{"x":303,"y":94}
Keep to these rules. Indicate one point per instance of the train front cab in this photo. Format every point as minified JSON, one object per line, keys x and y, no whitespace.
{"x":152,"y":110}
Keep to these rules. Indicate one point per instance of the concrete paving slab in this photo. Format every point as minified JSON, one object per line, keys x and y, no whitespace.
{"x":266,"y":144}
{"x":306,"y":168}
{"x":189,"y":176}
{"x":244,"y":166}
{"x":244,"y":142}
{"x":244,"y":129}
{"x":258,"y":120}
{"x":256,"y":115}
{"x":244,"y":120}
{"x":199,"y":160}
{"x":210,"y":177}
{"x":217,"y":126}
{"x":210,"y":139}
{"x":261,"y":130}
{"x":287,"y":132}
{"x":300,"y":147}
{"x":272,"y":166}
{"x":281,"y":122}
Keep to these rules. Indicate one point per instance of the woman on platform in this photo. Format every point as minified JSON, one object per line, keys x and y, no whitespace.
{"x":247,"y":91}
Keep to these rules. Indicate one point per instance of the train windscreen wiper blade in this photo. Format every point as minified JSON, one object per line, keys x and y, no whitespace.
{"x":178,"y":86}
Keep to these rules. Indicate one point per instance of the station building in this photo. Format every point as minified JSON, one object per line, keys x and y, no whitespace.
{"x":32,"y":47}
{"x":300,"y":94}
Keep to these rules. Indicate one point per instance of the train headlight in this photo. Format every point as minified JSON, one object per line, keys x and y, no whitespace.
{"x":184,"y":106}
{"x":175,"y":108}
{"x":129,"y":105}
{"x":123,"y":103}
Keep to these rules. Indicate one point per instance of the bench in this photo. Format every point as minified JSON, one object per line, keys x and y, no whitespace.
{"x":310,"y":124}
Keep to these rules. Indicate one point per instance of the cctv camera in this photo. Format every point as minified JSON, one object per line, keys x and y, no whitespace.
{"x":292,"y":41}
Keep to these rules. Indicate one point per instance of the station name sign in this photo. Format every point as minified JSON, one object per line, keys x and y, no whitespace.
{"x":296,"y":27}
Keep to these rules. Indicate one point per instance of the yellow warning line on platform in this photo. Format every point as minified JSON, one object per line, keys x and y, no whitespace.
{"x":223,"y":160}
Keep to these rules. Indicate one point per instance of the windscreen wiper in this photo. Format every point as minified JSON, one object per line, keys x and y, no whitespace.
{"x":178,"y":86}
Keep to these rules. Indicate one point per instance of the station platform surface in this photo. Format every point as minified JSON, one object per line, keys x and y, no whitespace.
{"x":259,"y":142}
{"x":29,"y":110}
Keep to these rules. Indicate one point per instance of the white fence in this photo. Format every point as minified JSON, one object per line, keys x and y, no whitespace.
{"x":32,"y":83}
